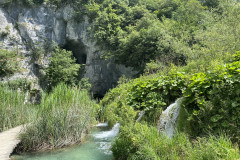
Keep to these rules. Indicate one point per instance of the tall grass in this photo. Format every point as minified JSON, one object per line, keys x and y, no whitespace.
{"x":141,"y":142}
{"x":13,"y":112}
{"x":62,"y":118}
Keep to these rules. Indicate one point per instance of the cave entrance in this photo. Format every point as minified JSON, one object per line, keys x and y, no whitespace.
{"x":79,"y":52}
{"x":78,"y":49}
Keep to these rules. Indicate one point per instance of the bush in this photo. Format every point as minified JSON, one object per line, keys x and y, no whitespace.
{"x":22,"y":84}
{"x":85,"y":84}
{"x":212,"y":101}
{"x":8,"y":62}
{"x":62,"y":68}
{"x":157,"y":92}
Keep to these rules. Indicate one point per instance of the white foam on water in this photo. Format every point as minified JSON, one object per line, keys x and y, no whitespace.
{"x":102,"y":125}
{"x":168,"y":118}
{"x":105,"y":147}
{"x":108,"y":134}
{"x":104,"y":138}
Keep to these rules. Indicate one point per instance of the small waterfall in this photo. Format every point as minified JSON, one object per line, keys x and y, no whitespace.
{"x":168,"y":118}
{"x":141,"y":114}
{"x":108,"y":134}
{"x":104,"y":138}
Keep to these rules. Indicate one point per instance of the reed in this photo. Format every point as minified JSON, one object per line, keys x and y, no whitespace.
{"x":63,"y":117}
{"x":13,"y":112}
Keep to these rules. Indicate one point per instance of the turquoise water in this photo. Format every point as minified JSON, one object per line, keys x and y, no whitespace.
{"x":96,"y":147}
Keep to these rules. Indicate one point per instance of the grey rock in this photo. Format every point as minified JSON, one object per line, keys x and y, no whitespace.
{"x":34,"y":26}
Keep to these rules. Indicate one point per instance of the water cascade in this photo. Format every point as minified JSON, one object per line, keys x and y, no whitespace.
{"x":168,"y":118}
{"x":104,"y":139}
{"x":141,"y":114}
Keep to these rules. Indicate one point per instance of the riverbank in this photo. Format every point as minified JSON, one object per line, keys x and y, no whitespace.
{"x":95,"y":147}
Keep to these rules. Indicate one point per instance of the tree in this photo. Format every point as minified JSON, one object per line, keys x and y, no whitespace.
{"x":62,"y":68}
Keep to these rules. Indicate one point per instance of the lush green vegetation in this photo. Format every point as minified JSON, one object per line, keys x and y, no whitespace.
{"x":211,"y":105}
{"x":184,"y":48}
{"x":18,"y":84}
{"x":212,"y":100}
{"x":62,"y":68}
{"x":65,"y":112}
{"x":179,"y":32}
{"x":61,"y":119}
{"x":9,"y":62}
{"x":141,"y":142}
{"x":204,"y":40}
{"x":13,"y":112}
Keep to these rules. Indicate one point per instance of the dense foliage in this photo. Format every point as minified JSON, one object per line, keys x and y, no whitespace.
{"x":178,"y":31}
{"x":212,"y":101}
{"x":155,"y":92}
{"x":62,"y":68}
{"x":185,"y":49}
{"x":19,"y":84}
{"x":210,"y":105}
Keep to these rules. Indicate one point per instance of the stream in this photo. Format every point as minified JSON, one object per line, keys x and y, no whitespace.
{"x":96,"y":147}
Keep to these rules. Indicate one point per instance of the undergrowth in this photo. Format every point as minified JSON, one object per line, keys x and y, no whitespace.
{"x":141,"y":142}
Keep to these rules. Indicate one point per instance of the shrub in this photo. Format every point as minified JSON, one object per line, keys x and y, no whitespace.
{"x":212,"y":101}
{"x":157,"y":92}
{"x":22,"y":84}
{"x":8,"y":62}
{"x":62,"y":68}
{"x":85,"y":84}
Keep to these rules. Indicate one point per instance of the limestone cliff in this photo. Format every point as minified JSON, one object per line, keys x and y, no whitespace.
{"x":30,"y":27}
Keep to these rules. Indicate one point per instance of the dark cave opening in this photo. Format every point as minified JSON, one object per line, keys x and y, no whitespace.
{"x":98,"y":96}
{"x":78,"y":49}
{"x":79,"y":52}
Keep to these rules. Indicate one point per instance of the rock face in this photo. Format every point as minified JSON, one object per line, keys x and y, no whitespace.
{"x":33,"y":27}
